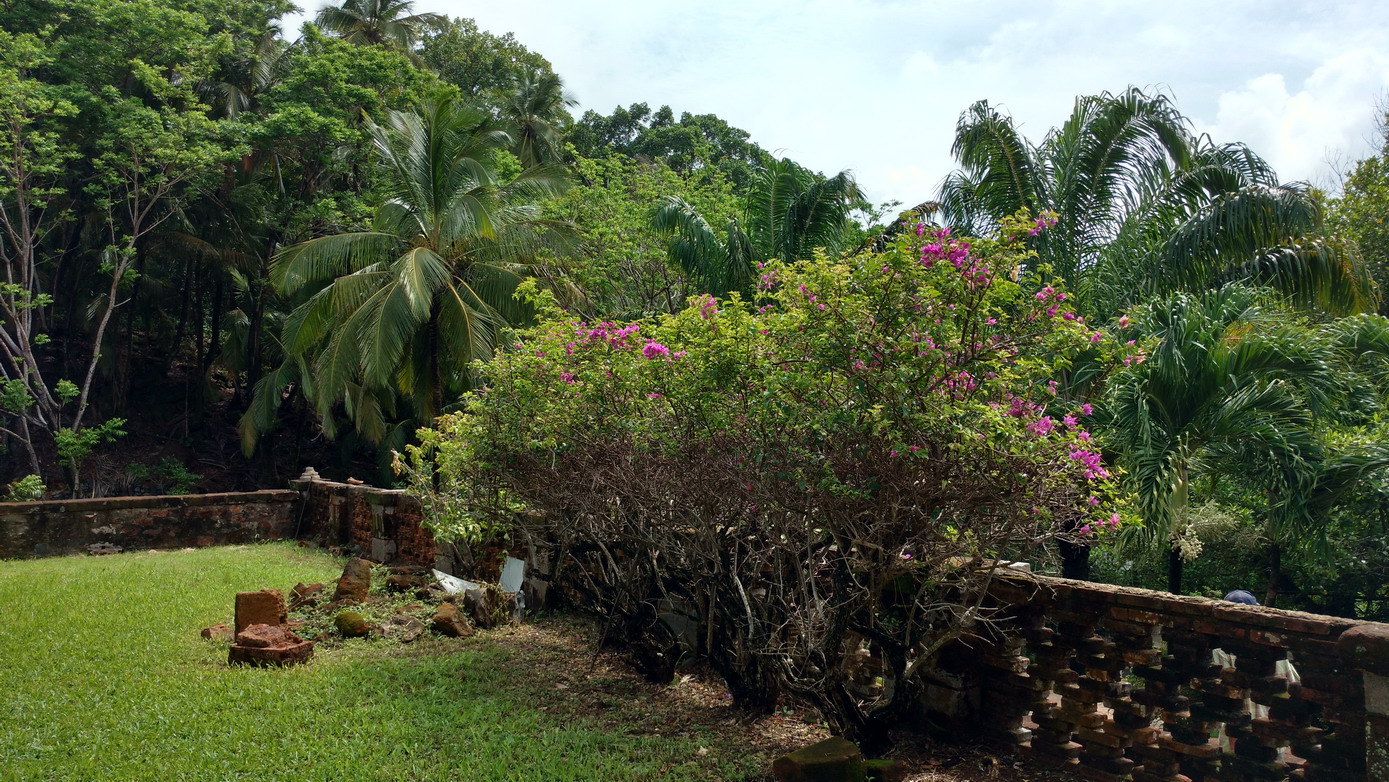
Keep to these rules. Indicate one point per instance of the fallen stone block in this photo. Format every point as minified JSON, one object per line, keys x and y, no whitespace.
{"x":306,"y":595}
{"x":352,"y":625}
{"x":448,"y":621}
{"x":408,"y":578}
{"x":832,"y":760}
{"x":266,"y":607}
{"x":268,"y":645}
{"x":267,"y":636}
{"x":489,"y":606}
{"x":403,"y":628}
{"x":217,"y":632}
{"x":355,"y":582}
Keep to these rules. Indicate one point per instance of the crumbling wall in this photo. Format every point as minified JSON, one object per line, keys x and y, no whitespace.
{"x":384,"y":525}
{"x":55,"y":527}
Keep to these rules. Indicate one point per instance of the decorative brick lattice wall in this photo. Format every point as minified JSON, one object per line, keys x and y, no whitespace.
{"x":1122,"y":685}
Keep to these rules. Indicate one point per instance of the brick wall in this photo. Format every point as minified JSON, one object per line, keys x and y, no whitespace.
{"x":38,"y":529}
{"x":380,"y":524}
{"x":1120,"y":684}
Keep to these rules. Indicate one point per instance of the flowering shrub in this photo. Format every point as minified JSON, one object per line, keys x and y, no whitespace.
{"x":835,"y":466}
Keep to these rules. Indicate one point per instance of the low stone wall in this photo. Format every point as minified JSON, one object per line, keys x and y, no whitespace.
{"x":381,"y":524}
{"x":1122,"y":684}
{"x":40,"y":529}
{"x":384,"y":525}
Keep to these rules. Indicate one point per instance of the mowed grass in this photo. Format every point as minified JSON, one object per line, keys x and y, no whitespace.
{"x":103,"y":677}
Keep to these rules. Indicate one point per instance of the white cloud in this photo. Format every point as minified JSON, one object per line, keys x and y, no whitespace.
{"x":876,"y":86}
{"x":1331,"y":114}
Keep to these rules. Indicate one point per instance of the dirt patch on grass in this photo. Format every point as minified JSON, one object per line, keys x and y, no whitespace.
{"x":555,"y":659}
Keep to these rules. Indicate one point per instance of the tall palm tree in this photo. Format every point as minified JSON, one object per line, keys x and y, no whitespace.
{"x":377,"y":22}
{"x":393,"y":317}
{"x":1229,"y":383}
{"x":1147,"y":207}
{"x":788,"y":213}
{"x":536,"y":109}
{"x":1349,"y":458}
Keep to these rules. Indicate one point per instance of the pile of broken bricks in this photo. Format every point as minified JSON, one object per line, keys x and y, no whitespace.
{"x":264,"y":635}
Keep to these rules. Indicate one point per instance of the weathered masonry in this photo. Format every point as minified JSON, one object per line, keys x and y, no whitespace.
{"x":41,"y":529}
{"x":1128,"y":684}
{"x":1115,"y":684}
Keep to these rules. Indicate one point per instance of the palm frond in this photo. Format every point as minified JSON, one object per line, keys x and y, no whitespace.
{"x":324,"y":258}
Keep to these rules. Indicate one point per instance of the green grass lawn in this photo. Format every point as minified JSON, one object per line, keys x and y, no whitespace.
{"x":103,"y":677}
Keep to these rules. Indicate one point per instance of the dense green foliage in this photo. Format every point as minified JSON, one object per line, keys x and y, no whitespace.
{"x":313,"y":239}
{"x":159,"y":156}
{"x":1361,"y":214}
{"x":1148,"y":207}
{"x":855,"y":425}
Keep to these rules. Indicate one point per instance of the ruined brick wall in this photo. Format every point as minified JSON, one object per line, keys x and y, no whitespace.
{"x":384,"y":525}
{"x":1129,"y":685}
{"x":39,"y":529}
{"x":381,"y":524}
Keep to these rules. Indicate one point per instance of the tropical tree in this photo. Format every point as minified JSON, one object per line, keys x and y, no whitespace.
{"x":1230,"y":382}
{"x":1353,"y":448}
{"x":536,"y":109}
{"x":394,"y":316}
{"x":481,"y":65}
{"x":690,"y":144}
{"x":1361,"y":211}
{"x":1148,"y":207}
{"x":788,"y":213}
{"x":621,"y":262}
{"x":377,"y":22}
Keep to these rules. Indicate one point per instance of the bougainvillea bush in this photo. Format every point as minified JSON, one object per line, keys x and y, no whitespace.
{"x":829,"y":471}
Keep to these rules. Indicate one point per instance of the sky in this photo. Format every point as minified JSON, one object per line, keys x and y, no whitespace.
{"x":876,"y":86}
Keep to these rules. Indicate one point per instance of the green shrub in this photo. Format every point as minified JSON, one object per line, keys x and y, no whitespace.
{"x":26,"y":489}
{"x":839,"y":462}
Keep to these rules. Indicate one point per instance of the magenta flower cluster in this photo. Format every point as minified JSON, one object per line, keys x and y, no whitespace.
{"x":1087,"y":530}
{"x":1045,"y":221}
{"x":616,"y":336}
{"x":944,"y":248}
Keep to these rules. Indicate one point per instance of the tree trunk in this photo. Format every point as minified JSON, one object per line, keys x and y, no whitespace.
{"x":1275,"y":573}
{"x":1075,"y":560}
{"x":215,"y":345}
{"x":1180,"y":502}
{"x":253,"y":349}
{"x":1174,"y":570}
{"x":185,"y":302}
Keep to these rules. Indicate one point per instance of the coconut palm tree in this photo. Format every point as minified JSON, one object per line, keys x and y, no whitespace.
{"x":392,"y":318}
{"x":1147,"y":207}
{"x":787,"y":214}
{"x":377,"y":22}
{"x":536,"y":109}
{"x":1230,"y":383}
